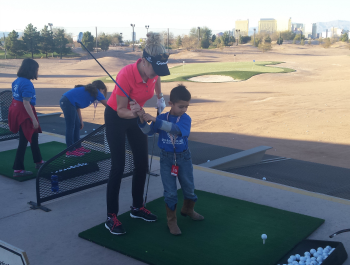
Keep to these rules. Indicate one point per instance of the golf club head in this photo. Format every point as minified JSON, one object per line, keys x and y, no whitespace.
{"x":80,"y":37}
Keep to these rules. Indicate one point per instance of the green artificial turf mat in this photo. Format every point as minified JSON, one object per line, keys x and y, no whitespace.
{"x":5,"y":131}
{"x":230,"y":234}
{"x":7,"y":159}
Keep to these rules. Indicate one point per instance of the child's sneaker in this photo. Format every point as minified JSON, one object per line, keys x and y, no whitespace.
{"x":22,"y":173}
{"x":74,"y":153}
{"x":114,"y":225}
{"x":38,"y":165}
{"x":83,"y":150}
{"x":142,"y":213}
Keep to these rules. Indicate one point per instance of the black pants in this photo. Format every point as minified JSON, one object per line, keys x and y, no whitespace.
{"x":116,"y":129}
{"x":21,"y":150}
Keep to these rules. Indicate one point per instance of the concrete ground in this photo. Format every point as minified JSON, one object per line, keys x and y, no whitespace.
{"x":52,"y":237}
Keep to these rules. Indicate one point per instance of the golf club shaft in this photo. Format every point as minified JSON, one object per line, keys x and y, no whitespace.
{"x":339,"y":232}
{"x":107,"y":72}
{"x":150,"y":166}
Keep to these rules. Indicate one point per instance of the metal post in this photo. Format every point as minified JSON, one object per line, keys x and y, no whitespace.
{"x":254,"y":37}
{"x":301,"y":33}
{"x":96,"y":39}
{"x":5,"y":44}
{"x":147,"y":27}
{"x":168,"y":40}
{"x":199,"y":32}
{"x":133,"y":37}
{"x":50,"y":25}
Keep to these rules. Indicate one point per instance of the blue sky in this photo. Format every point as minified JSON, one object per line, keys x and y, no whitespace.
{"x":179,"y":14}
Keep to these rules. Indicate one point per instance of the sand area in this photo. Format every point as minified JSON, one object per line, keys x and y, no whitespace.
{"x":302,"y":115}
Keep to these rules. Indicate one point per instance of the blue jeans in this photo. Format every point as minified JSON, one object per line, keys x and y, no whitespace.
{"x":185,"y":176}
{"x":72,"y":121}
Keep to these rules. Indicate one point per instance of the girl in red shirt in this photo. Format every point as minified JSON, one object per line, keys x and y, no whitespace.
{"x":139,"y":81}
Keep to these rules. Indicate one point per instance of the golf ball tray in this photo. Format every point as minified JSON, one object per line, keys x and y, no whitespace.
{"x":308,"y":252}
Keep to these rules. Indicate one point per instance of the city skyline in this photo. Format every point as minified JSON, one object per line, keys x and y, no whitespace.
{"x":182,"y":15}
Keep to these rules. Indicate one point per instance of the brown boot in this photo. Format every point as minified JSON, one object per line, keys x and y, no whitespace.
{"x":187,"y":210}
{"x":172,"y":221}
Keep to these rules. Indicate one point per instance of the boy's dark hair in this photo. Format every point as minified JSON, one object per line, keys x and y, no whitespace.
{"x":94,"y":87}
{"x":29,"y":69}
{"x":178,"y":93}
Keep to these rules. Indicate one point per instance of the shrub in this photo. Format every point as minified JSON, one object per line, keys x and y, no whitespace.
{"x":205,"y":43}
{"x":264,"y":47}
{"x":327,"y":43}
{"x":279,"y":41}
{"x":244,"y":39}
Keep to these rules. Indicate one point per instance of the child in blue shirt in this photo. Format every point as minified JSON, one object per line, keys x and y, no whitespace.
{"x":175,"y":157}
{"x":22,"y":116}
{"x":71,"y":102}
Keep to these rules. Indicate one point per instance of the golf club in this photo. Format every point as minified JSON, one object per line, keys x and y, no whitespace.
{"x":339,"y":232}
{"x":80,"y":37}
{"x":150,"y":165}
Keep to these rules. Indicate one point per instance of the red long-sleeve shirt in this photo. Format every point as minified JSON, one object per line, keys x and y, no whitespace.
{"x":18,"y":117}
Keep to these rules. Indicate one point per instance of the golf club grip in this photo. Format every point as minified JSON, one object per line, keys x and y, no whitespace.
{"x":107,"y":72}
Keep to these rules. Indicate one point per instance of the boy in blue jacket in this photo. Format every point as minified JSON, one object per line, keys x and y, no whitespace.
{"x":175,"y":157}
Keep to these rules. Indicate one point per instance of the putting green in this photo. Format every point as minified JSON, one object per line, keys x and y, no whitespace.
{"x":238,"y":71}
{"x":230,"y":234}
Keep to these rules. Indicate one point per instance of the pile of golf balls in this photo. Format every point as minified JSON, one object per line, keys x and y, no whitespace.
{"x":314,"y":257}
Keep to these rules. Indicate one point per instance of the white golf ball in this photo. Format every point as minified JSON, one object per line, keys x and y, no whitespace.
{"x":307,"y":253}
{"x":320,"y":259}
{"x":312,"y":251}
{"x":302,"y":258}
{"x":208,"y":161}
{"x":85,"y":131}
{"x":263,"y":236}
{"x":297,"y":256}
{"x":319,"y":249}
{"x":264,"y":178}
{"x":316,"y":255}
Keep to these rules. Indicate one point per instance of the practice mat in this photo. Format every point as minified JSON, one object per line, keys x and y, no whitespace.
{"x":7,"y":159}
{"x":230,"y":234}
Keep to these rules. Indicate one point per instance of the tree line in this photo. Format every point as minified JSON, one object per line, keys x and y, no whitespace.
{"x":35,"y":42}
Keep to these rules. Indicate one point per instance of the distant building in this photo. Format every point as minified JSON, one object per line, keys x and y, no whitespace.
{"x":219,"y":34}
{"x":336,"y":32}
{"x":310,"y":30}
{"x":242,"y":26}
{"x":327,"y":34}
{"x":297,"y":27}
{"x":284,"y":24}
{"x":267,"y":25}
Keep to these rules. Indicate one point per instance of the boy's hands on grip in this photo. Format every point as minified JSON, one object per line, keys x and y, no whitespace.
{"x":147,"y":117}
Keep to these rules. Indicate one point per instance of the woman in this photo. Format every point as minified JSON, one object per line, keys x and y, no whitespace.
{"x":139,"y":81}
{"x":22,"y":116}
{"x":71,"y":102}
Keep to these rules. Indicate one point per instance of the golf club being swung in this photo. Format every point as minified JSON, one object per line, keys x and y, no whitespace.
{"x":150,"y":166}
{"x":80,"y":36}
